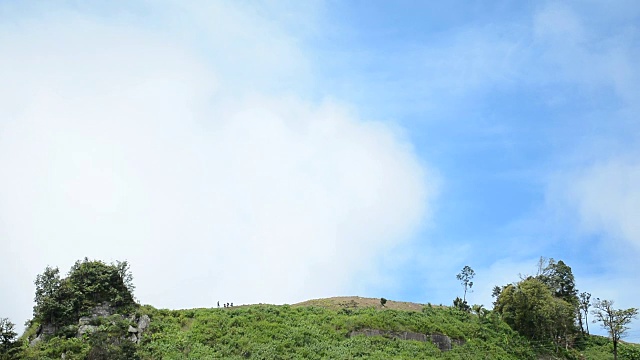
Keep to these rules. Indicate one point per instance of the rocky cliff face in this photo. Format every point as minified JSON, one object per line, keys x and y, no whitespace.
{"x":88,"y":324}
{"x":443,"y":342}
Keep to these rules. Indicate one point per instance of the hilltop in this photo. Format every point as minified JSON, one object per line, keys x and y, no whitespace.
{"x":341,"y":302}
{"x":92,"y":314}
{"x":332,"y":328}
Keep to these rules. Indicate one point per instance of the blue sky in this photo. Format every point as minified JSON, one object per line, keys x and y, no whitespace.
{"x":280,"y":151}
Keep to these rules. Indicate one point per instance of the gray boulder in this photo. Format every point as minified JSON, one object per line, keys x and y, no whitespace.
{"x":102,"y":310}
{"x":143,"y":323}
{"x":443,"y":342}
{"x":43,"y":331}
{"x":86,"y":329}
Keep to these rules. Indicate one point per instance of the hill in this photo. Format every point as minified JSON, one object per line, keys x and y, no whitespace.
{"x":341,"y":302}
{"x":333,"y":328}
{"x":91,"y":313}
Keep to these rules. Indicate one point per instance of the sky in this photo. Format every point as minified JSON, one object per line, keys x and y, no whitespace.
{"x":280,"y":151}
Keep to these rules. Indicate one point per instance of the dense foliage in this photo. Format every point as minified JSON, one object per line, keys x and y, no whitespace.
{"x":289,"y":332}
{"x":277,"y":332}
{"x":547,"y":309}
{"x":543,"y":308}
{"x":107,"y":342}
{"x":61,"y":301}
{"x":7,"y":338}
{"x":530,"y":308}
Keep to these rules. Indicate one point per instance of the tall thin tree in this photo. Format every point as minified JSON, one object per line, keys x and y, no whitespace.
{"x":585,"y":304}
{"x":465,"y":277}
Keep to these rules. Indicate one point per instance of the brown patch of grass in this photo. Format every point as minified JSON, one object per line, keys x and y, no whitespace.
{"x":356,"y":302}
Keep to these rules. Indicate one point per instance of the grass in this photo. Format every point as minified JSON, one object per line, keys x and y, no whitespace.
{"x":341,"y":302}
{"x":319,"y":329}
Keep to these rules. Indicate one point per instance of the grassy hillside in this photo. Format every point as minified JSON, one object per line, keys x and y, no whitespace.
{"x":315,"y":329}
{"x":315,"y":332}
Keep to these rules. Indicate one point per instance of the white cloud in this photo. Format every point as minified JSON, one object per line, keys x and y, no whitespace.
{"x":499,"y":273}
{"x":574,"y":48}
{"x":601,"y":203}
{"x":606,"y":197}
{"x":120,"y":143}
{"x":472,"y":60}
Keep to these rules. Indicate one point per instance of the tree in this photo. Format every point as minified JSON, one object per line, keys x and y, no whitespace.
{"x":615,"y":321}
{"x":479,"y":310}
{"x":461,"y":304}
{"x":7,"y":336}
{"x":559,"y":278}
{"x":61,"y":301}
{"x":465,"y":276}
{"x":49,"y":305}
{"x":96,"y":282}
{"x":124,"y":269}
{"x":585,"y":303}
{"x":542,"y":307}
{"x":495,"y":293}
{"x":530,"y":308}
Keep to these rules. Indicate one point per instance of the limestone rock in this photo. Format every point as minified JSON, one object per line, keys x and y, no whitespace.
{"x":143,"y":323}
{"x":86,"y":329}
{"x":402,"y":335}
{"x":102,"y":310}
{"x":43,"y":331}
{"x":443,"y":342}
{"x":35,"y":341}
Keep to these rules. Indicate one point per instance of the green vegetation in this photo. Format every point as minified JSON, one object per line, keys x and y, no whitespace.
{"x":108,"y":341}
{"x":62,"y":301}
{"x":309,"y":332}
{"x":533,"y":319}
{"x":601,"y":348}
{"x":465,"y":276}
{"x":583,"y":313}
{"x":543,"y":308}
{"x":615,"y":321}
{"x":7,"y":338}
{"x":530,"y":308}
{"x":547,"y":309}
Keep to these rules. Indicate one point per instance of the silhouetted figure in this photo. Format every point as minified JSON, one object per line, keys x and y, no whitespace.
{"x":218,"y":303}
{"x":231,"y":304}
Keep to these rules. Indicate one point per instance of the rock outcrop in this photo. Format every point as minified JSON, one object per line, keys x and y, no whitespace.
{"x":402,"y":335}
{"x":43,"y":331}
{"x":135,"y":333}
{"x":443,"y":342}
{"x":87,"y":324}
{"x":84,"y":326}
